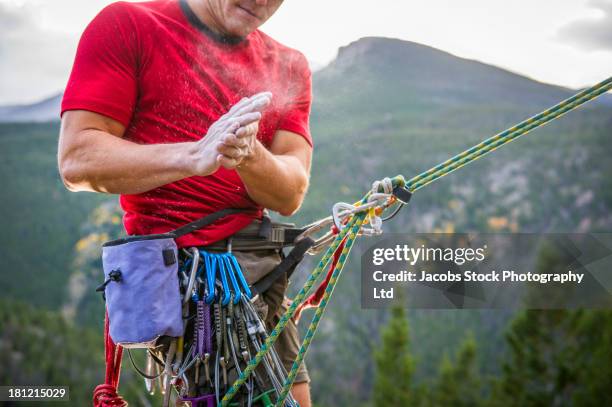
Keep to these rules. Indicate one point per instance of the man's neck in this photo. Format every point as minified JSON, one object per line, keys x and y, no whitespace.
{"x":206,"y":21}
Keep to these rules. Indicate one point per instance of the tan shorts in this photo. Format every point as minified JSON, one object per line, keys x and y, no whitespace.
{"x":272,"y":304}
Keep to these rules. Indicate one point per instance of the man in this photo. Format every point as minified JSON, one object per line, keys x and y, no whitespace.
{"x":147,"y":114}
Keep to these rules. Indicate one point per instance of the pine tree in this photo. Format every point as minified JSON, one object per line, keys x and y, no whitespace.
{"x":557,"y":357}
{"x":592,"y":358}
{"x":537,"y":372}
{"x":394,"y":364}
{"x":458,"y":384}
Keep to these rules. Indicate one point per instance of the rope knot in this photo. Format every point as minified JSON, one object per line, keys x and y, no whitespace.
{"x":106,"y":395}
{"x":384,"y":186}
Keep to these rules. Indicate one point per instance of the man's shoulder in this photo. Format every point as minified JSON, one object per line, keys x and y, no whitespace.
{"x":135,"y":10}
{"x":138,"y":6}
{"x":275,"y":46}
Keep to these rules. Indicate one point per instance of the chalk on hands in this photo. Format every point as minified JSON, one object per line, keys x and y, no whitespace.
{"x":253,"y":104}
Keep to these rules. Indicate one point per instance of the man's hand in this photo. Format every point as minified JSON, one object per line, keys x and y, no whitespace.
{"x":237,"y":147}
{"x":231,"y":137}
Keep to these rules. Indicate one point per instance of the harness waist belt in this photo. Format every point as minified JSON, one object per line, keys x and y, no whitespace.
{"x":260,"y":235}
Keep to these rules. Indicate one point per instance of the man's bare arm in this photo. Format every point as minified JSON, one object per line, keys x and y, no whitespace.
{"x":93,"y":156}
{"x":278,"y":178}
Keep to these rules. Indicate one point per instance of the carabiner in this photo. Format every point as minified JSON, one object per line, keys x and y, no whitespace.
{"x":230,"y":270}
{"x":226,"y":290}
{"x":192,"y":276}
{"x":339,"y":210}
{"x":210,"y":263}
{"x":243,"y":282}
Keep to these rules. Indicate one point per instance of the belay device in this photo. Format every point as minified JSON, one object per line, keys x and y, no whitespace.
{"x":228,"y":338}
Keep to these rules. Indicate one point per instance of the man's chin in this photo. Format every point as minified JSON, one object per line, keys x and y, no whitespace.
{"x":241,"y":31}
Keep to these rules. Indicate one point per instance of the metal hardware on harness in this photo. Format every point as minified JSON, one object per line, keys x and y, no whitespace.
{"x":195,"y":262}
{"x":341,"y":209}
{"x":277,"y":235}
{"x":402,"y":194}
{"x":226,"y":332}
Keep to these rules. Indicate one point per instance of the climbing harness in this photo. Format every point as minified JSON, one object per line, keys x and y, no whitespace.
{"x":229,"y":337}
{"x":219,"y":328}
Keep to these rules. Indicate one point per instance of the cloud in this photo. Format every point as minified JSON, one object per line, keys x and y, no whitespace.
{"x":591,"y":34}
{"x":10,"y":18}
{"x":38,"y":38}
{"x":34,"y":62}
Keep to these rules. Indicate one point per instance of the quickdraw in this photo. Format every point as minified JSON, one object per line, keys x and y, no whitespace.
{"x":227,"y":330}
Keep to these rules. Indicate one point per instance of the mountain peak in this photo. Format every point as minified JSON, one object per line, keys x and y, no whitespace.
{"x":384,"y":66}
{"x":366,"y":45}
{"x":373,"y":50}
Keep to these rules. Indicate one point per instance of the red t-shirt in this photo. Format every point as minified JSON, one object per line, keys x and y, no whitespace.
{"x":160,"y":72}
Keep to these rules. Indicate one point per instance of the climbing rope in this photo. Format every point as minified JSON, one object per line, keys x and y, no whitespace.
{"x":253,"y":363}
{"x":349,"y":219}
{"x":507,"y":136}
{"x":314,"y":324}
{"x":105,"y":395}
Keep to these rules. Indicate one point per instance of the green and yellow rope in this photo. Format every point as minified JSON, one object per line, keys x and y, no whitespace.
{"x":353,"y":227}
{"x":299,"y":298}
{"x":312,"y":328}
{"x":507,"y":136}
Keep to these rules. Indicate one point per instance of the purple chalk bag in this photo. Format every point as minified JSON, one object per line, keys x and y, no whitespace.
{"x":141,"y":286}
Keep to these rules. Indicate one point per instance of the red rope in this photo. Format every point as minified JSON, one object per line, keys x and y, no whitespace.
{"x":315,"y":299}
{"x":105,"y":395}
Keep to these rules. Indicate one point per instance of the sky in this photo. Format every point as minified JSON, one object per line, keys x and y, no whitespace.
{"x":564,"y":42}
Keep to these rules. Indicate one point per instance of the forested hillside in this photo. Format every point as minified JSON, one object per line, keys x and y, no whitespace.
{"x":383,"y":107}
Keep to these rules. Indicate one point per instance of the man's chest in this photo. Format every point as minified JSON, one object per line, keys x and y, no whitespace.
{"x":184,"y":87}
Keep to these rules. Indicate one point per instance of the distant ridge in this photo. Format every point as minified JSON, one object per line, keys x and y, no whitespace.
{"x":44,"y":111}
{"x":386,"y":66}
{"x":426,"y":72}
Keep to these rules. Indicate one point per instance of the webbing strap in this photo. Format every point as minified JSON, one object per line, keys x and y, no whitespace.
{"x":315,"y":299}
{"x":205,"y":221}
{"x":202,"y":329}
{"x":183,"y":230}
{"x":284,"y":267}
